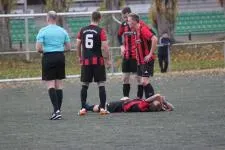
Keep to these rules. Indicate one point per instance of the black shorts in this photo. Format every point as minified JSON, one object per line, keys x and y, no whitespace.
{"x":53,"y":66}
{"x":88,"y":72}
{"x":129,"y":65}
{"x":146,"y":70}
{"x":116,"y":106}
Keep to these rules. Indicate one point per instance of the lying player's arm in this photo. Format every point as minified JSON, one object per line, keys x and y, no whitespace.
{"x":39,"y":47}
{"x":153,"y":98}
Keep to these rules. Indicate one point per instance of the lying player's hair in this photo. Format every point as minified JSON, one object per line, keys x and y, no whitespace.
{"x":134,"y":17}
{"x":96,"y":16}
{"x":126,"y":10}
{"x":155,"y":106}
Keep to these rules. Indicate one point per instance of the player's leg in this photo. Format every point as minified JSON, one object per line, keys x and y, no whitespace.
{"x":86,"y":78}
{"x":59,"y":92}
{"x":126,"y":84}
{"x":100,"y":78}
{"x":147,"y":71}
{"x":49,"y":74}
{"x":60,"y":74}
{"x":140,"y":88}
{"x":126,"y":77}
{"x":54,"y":99}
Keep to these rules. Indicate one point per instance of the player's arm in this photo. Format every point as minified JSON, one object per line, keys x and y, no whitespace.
{"x":148,"y":35}
{"x":120,"y":39}
{"x":78,"y":45}
{"x":105,"y":47}
{"x":153,"y":98}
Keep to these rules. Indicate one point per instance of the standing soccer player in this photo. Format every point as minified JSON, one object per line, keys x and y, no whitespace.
{"x":127,"y":41}
{"x":51,"y":41}
{"x":92,"y":38}
{"x":146,"y":44}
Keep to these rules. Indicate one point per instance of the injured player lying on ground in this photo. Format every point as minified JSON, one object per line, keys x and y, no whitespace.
{"x":151,"y":104}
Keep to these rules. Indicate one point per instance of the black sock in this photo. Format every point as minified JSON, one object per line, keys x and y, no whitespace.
{"x":102,"y":96}
{"x":140,"y":91}
{"x":59,"y":93}
{"x":149,"y":91}
{"x":83,"y":95}
{"x":126,"y":90}
{"x":53,"y":97}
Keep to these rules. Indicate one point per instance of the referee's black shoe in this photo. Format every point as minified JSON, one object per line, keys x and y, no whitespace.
{"x":56,"y":116}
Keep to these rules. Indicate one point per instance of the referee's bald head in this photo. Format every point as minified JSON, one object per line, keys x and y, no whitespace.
{"x":52,"y":15}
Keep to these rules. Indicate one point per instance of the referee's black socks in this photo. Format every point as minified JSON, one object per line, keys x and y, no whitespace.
{"x":102,"y":96}
{"x":59,"y":93}
{"x":54,"y":99}
{"x":126,"y":90}
{"x":83,"y":95}
{"x":149,"y":91}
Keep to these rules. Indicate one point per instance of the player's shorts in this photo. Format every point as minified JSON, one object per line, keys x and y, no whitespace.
{"x":146,"y":70}
{"x":129,"y":66}
{"x":116,"y":106}
{"x":53,"y":66}
{"x":88,"y":72}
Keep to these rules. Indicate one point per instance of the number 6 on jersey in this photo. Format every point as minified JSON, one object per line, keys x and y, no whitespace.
{"x":89,"y":41}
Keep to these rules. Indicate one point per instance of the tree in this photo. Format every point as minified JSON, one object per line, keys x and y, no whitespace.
{"x":5,"y":41}
{"x":58,"y":6}
{"x":163,"y":15}
{"x":110,"y":25}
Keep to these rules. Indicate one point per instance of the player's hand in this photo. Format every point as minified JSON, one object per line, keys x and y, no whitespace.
{"x":80,"y":60}
{"x":122,"y":50}
{"x":148,"y":57}
{"x":108,"y":64}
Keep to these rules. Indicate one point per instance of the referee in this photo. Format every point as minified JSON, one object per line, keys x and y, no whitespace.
{"x":52,"y":40}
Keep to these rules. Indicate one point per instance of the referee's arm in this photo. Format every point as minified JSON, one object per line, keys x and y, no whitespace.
{"x":39,"y":47}
{"x":39,"y":41}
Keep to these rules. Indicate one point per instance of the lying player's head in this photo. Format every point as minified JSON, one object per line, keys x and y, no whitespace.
{"x":125,"y":12}
{"x":51,"y":16}
{"x":133,"y":20}
{"x":96,"y":17}
{"x":155,"y":106}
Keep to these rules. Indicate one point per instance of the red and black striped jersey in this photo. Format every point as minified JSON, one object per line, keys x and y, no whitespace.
{"x":91,"y":37}
{"x":143,"y":41}
{"x":128,"y":40}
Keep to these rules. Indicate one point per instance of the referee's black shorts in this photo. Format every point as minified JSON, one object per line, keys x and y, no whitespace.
{"x":53,"y":66}
{"x":88,"y":72}
{"x":129,"y":65}
{"x":146,"y":70}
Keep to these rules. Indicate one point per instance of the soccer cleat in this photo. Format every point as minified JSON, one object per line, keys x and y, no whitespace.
{"x":103,"y":112}
{"x":82,"y":112}
{"x":124,"y":98}
{"x":56,"y":115}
